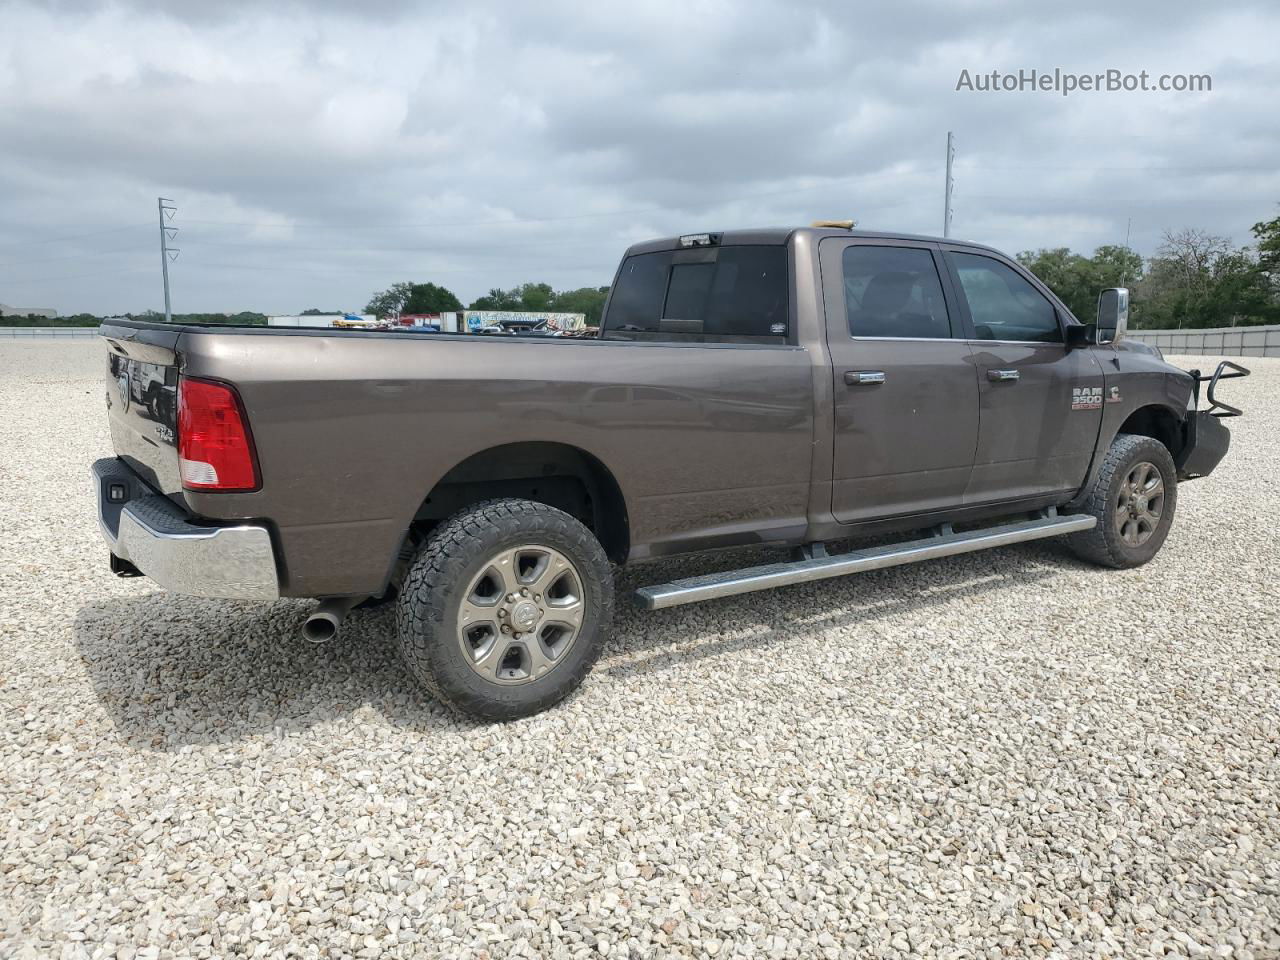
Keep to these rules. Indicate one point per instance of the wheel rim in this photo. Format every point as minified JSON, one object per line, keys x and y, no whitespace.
{"x":521,"y":614}
{"x":1140,"y":504}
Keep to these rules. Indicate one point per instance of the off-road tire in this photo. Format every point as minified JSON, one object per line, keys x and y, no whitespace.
{"x":1103,"y":544}
{"x":432,"y":592}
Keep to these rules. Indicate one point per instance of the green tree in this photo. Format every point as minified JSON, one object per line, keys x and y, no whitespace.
{"x":429,"y":298}
{"x":1077,"y":279}
{"x":1197,"y":279}
{"x":1065,"y":273}
{"x":1268,"y":235}
{"x":390,"y":302}
{"x":542,"y":297}
{"x":410,"y":297}
{"x":497,"y":299}
{"x":586,"y":300}
{"x":536,"y":296}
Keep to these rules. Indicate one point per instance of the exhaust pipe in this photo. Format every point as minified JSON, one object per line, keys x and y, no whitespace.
{"x":323,"y":623}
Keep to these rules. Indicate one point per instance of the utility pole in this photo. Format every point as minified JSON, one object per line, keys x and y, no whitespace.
{"x":167,"y":253}
{"x":1128,"y":228}
{"x":946,"y":212}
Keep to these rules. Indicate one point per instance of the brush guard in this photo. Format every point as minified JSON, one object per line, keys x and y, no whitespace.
{"x":1206,"y":437}
{"x":1226,"y":371}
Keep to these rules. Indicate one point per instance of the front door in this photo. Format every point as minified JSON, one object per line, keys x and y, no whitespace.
{"x":1041,"y":404}
{"x":906,"y":397}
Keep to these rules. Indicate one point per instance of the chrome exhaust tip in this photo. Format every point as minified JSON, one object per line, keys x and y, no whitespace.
{"x":322,"y":624}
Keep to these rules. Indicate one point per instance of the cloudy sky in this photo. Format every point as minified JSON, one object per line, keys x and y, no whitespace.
{"x":320,"y":151}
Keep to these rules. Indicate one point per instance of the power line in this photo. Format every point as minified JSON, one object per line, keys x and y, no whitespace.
{"x":77,"y":256}
{"x":76,"y":276}
{"x":81,"y":236}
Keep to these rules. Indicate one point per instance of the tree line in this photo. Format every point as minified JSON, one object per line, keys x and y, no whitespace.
{"x":1195,"y":279}
{"x":528,"y":297}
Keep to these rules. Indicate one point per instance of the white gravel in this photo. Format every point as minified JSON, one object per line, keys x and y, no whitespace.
{"x":1003,"y":754}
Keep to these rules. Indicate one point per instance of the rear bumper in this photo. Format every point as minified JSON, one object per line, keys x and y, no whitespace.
{"x":156,"y":537}
{"x":1207,"y":440}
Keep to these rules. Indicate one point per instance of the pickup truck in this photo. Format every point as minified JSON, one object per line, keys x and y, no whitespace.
{"x":797,"y":387}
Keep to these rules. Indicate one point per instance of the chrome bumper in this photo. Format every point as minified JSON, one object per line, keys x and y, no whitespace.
{"x":155,"y":536}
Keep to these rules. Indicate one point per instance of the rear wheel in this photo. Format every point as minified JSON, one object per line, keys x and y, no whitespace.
{"x":1133,"y":499}
{"x":503,"y":611}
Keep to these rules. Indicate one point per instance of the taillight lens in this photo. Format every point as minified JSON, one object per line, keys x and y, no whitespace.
{"x":215,"y":451}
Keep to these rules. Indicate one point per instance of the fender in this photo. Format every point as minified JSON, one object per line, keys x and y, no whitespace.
{"x":1133,"y":380}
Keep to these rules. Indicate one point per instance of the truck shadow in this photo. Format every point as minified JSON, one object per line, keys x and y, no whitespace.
{"x":179,"y":671}
{"x":669,"y":639}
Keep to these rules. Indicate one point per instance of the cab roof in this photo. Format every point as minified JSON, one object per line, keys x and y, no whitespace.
{"x":771,"y":236}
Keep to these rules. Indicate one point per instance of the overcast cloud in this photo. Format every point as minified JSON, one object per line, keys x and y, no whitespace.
{"x":320,"y":151}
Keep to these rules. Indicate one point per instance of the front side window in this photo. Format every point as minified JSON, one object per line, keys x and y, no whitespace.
{"x":1004,"y":306}
{"x":894,"y":292}
{"x":725,"y":294}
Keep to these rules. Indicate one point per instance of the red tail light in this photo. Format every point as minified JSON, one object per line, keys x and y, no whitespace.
{"x":215,"y":451}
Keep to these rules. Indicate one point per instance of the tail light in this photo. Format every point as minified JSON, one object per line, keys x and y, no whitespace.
{"x":215,"y":450}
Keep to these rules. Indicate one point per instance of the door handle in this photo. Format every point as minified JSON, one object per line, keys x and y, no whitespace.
{"x":1002,"y":375}
{"x":855,"y":377}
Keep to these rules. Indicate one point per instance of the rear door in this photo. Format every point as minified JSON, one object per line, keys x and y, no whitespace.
{"x":1041,"y":404}
{"x":906,"y":397}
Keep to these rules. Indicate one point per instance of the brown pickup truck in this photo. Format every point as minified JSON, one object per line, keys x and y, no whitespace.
{"x":793,"y":387}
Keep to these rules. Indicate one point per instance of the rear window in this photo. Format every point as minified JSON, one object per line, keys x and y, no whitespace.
{"x":718,"y":294}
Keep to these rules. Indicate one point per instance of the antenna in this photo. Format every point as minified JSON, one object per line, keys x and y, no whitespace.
{"x":1124,"y":276}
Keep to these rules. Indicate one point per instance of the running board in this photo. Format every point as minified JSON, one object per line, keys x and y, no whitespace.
{"x":770,"y":575}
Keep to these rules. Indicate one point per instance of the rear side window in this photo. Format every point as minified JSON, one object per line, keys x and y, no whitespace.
{"x":722,"y":294}
{"x":1003,"y":305}
{"x":894,"y":292}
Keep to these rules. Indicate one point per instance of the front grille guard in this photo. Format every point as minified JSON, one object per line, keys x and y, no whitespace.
{"x":1226,"y":371}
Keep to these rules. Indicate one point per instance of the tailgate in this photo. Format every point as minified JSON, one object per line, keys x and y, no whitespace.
{"x":142,"y":401}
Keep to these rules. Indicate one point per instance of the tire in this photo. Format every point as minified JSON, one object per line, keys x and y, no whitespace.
{"x":1132,"y":526}
{"x":471,"y":567}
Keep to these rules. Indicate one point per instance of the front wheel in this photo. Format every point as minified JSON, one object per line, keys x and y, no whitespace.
{"x":1133,"y":497}
{"x":504,"y":609}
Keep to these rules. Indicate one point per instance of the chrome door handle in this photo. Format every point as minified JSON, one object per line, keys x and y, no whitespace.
{"x":855,"y":377}
{"x":1002,"y":375}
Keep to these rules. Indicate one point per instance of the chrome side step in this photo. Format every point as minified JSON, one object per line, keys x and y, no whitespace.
{"x":769,"y":575}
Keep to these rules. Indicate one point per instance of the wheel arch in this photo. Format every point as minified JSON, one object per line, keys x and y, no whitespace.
{"x":1159,"y":422}
{"x":558,"y":474}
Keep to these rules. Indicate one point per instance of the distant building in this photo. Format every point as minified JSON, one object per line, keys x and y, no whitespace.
{"x":517,"y":319}
{"x":8,"y":311}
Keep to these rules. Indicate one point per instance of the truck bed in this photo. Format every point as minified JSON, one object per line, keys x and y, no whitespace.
{"x":711,"y":444}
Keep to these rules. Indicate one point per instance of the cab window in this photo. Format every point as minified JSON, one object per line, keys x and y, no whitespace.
{"x":894,"y":292}
{"x":1002,"y":303}
{"x":729,"y":294}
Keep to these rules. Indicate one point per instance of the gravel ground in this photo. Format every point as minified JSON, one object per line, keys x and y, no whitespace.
{"x":1003,"y":754}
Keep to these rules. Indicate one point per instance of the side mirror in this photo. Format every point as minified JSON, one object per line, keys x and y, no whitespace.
{"x":1113,"y":314}
{"x":1081,"y":335}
